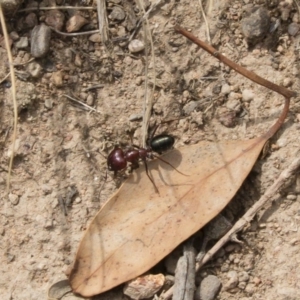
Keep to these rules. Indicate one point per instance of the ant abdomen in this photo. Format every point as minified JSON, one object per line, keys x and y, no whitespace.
{"x":116,"y":160}
{"x":162,"y":143}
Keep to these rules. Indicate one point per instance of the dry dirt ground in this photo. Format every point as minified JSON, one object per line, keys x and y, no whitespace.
{"x":61,"y":148}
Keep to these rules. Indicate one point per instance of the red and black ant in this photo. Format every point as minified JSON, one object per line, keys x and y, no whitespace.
{"x":118,"y":158}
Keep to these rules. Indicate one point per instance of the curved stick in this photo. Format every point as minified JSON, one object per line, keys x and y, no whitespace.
{"x":249,"y":74}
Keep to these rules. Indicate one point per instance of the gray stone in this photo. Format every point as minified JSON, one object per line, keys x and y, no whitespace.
{"x":136,"y":46}
{"x":10,"y":6}
{"x":255,"y":25}
{"x":117,"y":14}
{"x":22,"y":43}
{"x":233,"y":280}
{"x":55,"y":18}
{"x":190,"y":107}
{"x":40,"y":40}
{"x":243,"y":276}
{"x":135,"y":117}
{"x":209,"y":288}
{"x":48,"y":103}
{"x":293,"y":28}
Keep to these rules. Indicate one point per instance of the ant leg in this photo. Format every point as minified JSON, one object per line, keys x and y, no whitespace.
{"x":147,"y":172}
{"x":158,"y":157}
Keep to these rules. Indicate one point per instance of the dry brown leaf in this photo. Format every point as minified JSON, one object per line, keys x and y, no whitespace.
{"x":137,"y":228}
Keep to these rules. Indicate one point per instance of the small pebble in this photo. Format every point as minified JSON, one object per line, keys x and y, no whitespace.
{"x":217,"y":88}
{"x":57,"y":78}
{"x":197,"y":117}
{"x":247,"y":95}
{"x":136,"y":46}
{"x":83,"y":96}
{"x":75,"y":23}
{"x":48,"y":103}
{"x":291,"y":197}
{"x":287,"y":82}
{"x":209,"y":288}
{"x":256,"y":281}
{"x":243,"y":276}
{"x":22,"y":43}
{"x":227,"y":117}
{"x":90,"y":100}
{"x":78,"y":61}
{"x":10,"y":6}
{"x":55,"y":18}
{"x":77,"y":200}
{"x":293,"y":29}
{"x":225,"y":268}
{"x":294,"y":241}
{"x":117,"y":14}
{"x":295,"y":17}
{"x":234,"y":104}
{"x":190,"y":107}
{"x":280,"y":49}
{"x":34,"y":69}
{"x":14,"y":36}
{"x":225,"y":89}
{"x":242,"y":285}
{"x":47,"y":189}
{"x":31,"y":20}
{"x":49,"y":224}
{"x":40,"y":40}
{"x":95,"y":38}
{"x":233,"y":280}
{"x":14,"y":199}
{"x":255,"y":25}
{"x":248,"y":262}
{"x":135,"y":117}
{"x":144,"y":287}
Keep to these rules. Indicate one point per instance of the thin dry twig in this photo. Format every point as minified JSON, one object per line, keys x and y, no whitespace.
{"x":205,"y":21}
{"x":147,"y":106}
{"x":56,"y":8}
{"x":102,"y":20}
{"x":7,"y":75}
{"x":81,"y":103}
{"x":75,"y":33}
{"x":249,"y":215}
{"x":144,"y":17}
{"x":184,"y":286}
{"x":13,"y":91}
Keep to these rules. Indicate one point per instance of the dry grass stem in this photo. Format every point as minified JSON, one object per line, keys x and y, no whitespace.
{"x":102,"y":20}
{"x":206,"y":22}
{"x":148,"y":97}
{"x":7,"y":75}
{"x":249,"y":215}
{"x":13,"y":91}
{"x":75,"y":33}
{"x":56,"y":8}
{"x":81,"y":103}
